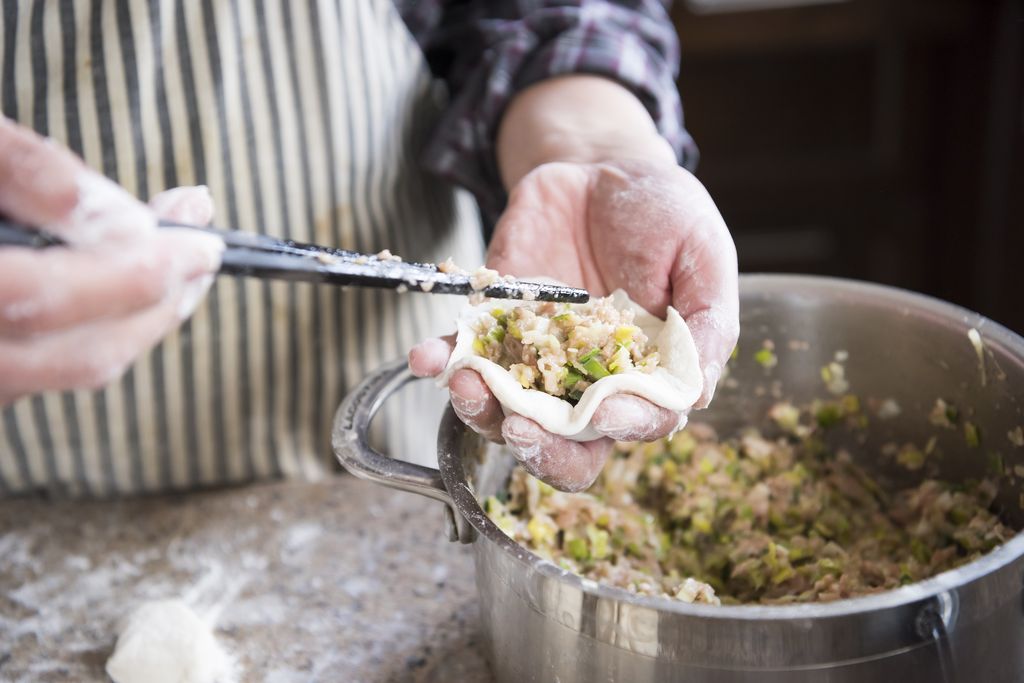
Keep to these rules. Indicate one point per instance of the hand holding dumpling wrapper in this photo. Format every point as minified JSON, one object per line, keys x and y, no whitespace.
{"x":646,"y":227}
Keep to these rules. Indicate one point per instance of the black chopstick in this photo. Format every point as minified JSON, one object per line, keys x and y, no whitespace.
{"x":261,"y":256}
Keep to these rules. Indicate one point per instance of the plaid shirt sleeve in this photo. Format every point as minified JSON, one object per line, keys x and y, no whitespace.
{"x":487,"y":51}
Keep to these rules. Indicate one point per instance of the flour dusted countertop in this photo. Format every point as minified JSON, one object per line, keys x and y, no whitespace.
{"x":336,"y":581}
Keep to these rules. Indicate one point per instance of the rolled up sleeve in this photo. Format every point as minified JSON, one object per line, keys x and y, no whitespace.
{"x":487,"y":52}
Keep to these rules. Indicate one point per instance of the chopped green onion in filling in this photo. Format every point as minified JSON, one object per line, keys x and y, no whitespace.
{"x":754,"y":518}
{"x":561,"y":349}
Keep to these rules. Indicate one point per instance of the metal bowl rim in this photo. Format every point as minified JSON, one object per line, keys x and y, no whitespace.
{"x":452,"y":431}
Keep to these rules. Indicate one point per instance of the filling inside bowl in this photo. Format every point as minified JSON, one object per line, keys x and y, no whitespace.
{"x":562,"y":349}
{"x":748,"y":518}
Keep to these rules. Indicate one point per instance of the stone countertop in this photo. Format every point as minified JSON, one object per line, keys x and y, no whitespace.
{"x":335,"y":581}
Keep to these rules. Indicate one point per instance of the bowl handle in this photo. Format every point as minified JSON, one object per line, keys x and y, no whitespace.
{"x":352,"y":447}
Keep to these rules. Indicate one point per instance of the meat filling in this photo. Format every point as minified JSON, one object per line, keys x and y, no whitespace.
{"x":752,"y":519}
{"x":562,"y":349}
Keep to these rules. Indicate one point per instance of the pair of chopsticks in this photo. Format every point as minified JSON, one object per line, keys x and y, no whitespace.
{"x":265,"y":257}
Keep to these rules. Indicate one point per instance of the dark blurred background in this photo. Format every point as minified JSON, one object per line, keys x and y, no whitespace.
{"x":876,"y":139}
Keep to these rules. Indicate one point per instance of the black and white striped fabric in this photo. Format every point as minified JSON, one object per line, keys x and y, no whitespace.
{"x":303,"y":118}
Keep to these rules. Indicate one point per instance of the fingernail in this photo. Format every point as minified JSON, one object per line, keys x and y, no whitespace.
{"x":429,"y":357}
{"x":526,"y":448}
{"x":105,"y":211}
{"x":192,"y":205}
{"x":202,"y":208}
{"x":712,"y":373}
{"x":192,"y":293}
{"x":627,"y":421}
{"x":195,"y":253}
{"x":468,"y":407}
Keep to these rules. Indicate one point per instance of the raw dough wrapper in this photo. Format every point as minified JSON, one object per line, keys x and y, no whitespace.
{"x":675,"y":384}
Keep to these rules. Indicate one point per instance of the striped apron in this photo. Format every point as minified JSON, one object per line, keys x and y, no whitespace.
{"x":304,"y":119}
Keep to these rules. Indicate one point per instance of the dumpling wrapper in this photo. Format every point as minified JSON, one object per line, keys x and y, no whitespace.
{"x":675,"y":384}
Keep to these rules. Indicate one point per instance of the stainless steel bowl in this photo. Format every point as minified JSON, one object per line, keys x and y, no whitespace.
{"x":544,"y":624}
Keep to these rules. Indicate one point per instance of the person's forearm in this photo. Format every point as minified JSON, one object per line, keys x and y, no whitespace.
{"x":578,"y":118}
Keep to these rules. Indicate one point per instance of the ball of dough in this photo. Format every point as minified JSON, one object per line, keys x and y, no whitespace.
{"x":164,"y":641}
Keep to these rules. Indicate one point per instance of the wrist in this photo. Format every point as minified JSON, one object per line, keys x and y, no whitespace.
{"x":578,"y":119}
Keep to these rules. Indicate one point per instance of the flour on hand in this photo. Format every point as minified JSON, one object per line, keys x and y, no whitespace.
{"x":164,"y":641}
